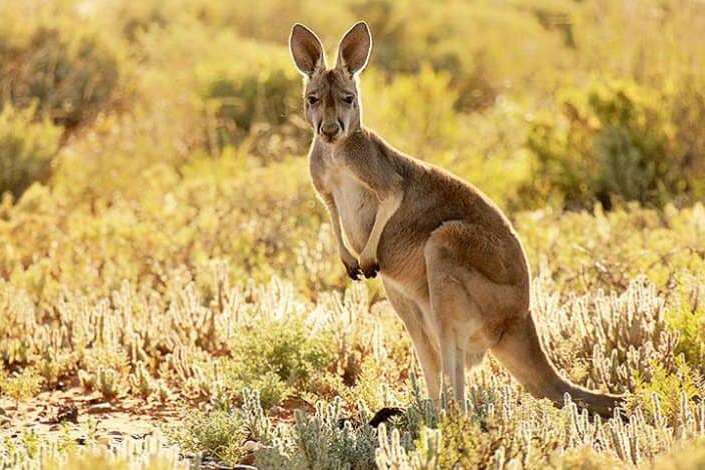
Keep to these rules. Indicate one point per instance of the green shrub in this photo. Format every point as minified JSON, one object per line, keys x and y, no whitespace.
{"x":26,"y":149}
{"x":327,"y":445}
{"x":663,"y":397}
{"x":465,"y":41}
{"x":257,"y":96}
{"x":687,"y":109}
{"x":277,"y":361}
{"x":137,"y":17}
{"x":224,"y":433}
{"x":474,"y":441}
{"x":415,"y":112}
{"x":220,"y":433}
{"x":21,"y":386}
{"x":689,"y":321}
{"x":463,"y":443}
{"x":169,"y":265}
{"x":585,"y":458}
{"x":252,"y":101}
{"x":610,"y":142}
{"x":71,"y":76}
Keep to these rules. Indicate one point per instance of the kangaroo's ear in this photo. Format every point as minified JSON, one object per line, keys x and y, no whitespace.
{"x":306,"y":49}
{"x":354,"y":48}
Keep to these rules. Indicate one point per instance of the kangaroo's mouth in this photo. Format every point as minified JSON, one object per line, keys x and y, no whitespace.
{"x":329,"y":139}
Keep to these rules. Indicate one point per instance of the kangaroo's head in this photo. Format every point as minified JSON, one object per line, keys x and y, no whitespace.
{"x":331,"y":99}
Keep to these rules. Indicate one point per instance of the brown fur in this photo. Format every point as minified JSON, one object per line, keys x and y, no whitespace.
{"x":451,"y":263}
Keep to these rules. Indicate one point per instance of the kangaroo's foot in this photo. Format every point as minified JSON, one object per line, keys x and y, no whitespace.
{"x":384,"y":415}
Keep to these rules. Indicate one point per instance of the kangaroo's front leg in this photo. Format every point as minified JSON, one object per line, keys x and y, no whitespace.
{"x":373,"y":170}
{"x":351,"y":264}
{"x":388,"y":205}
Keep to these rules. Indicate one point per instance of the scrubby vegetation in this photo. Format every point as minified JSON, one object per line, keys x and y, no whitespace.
{"x":162,"y":248}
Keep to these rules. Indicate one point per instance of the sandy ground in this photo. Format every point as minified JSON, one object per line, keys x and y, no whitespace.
{"x":78,"y":415}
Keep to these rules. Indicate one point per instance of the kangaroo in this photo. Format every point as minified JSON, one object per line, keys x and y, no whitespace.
{"x":451,"y":264}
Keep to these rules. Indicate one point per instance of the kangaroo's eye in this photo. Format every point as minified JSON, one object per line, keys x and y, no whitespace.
{"x":311,"y":100}
{"x":348,"y":99}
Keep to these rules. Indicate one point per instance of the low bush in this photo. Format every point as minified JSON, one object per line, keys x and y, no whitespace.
{"x":415,"y":112}
{"x":71,"y":76}
{"x":613,"y":141}
{"x":20,"y":386}
{"x":253,"y":102}
{"x":220,"y":433}
{"x":687,"y":455}
{"x":27,"y":148}
{"x":278,"y":361}
{"x":176,"y":257}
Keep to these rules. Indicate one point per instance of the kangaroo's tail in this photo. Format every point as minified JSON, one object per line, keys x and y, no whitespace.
{"x":520,"y":351}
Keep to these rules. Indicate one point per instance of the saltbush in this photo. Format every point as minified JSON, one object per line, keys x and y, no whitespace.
{"x":27,"y":148}
{"x":611,"y":141}
{"x":253,"y":101}
{"x":72,"y":76}
{"x":688,"y":318}
{"x":689,"y":455}
{"x":279,"y":360}
{"x":220,"y":433}
{"x":416,"y":112}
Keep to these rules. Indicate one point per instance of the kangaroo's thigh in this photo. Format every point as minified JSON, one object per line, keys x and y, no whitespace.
{"x":461,"y":281}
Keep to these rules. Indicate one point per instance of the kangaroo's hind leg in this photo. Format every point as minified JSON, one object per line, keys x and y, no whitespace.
{"x":473,"y":359}
{"x":467,"y":307}
{"x":448,"y":298}
{"x":424,"y":344}
{"x":452,"y":312}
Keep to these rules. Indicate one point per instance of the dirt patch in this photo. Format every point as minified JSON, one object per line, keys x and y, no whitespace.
{"x":81,"y":415}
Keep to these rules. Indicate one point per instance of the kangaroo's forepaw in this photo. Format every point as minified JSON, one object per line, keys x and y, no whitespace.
{"x":370,"y":270}
{"x":353,"y":270}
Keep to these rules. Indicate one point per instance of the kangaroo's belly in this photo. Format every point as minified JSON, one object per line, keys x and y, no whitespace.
{"x":357,"y":207}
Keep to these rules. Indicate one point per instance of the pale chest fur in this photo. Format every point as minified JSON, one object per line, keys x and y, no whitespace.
{"x":357,"y":206}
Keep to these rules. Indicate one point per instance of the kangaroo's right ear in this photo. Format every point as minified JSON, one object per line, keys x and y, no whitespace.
{"x":306,"y":49}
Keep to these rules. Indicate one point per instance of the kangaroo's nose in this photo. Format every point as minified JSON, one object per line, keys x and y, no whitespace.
{"x":330,"y":129}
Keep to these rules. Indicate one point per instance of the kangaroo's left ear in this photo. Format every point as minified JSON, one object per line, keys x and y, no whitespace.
{"x":354,"y":48}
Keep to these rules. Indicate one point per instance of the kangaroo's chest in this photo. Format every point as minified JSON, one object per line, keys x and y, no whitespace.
{"x":357,"y":207}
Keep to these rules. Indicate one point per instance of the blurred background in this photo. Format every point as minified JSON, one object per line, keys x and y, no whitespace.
{"x":560,"y":102}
